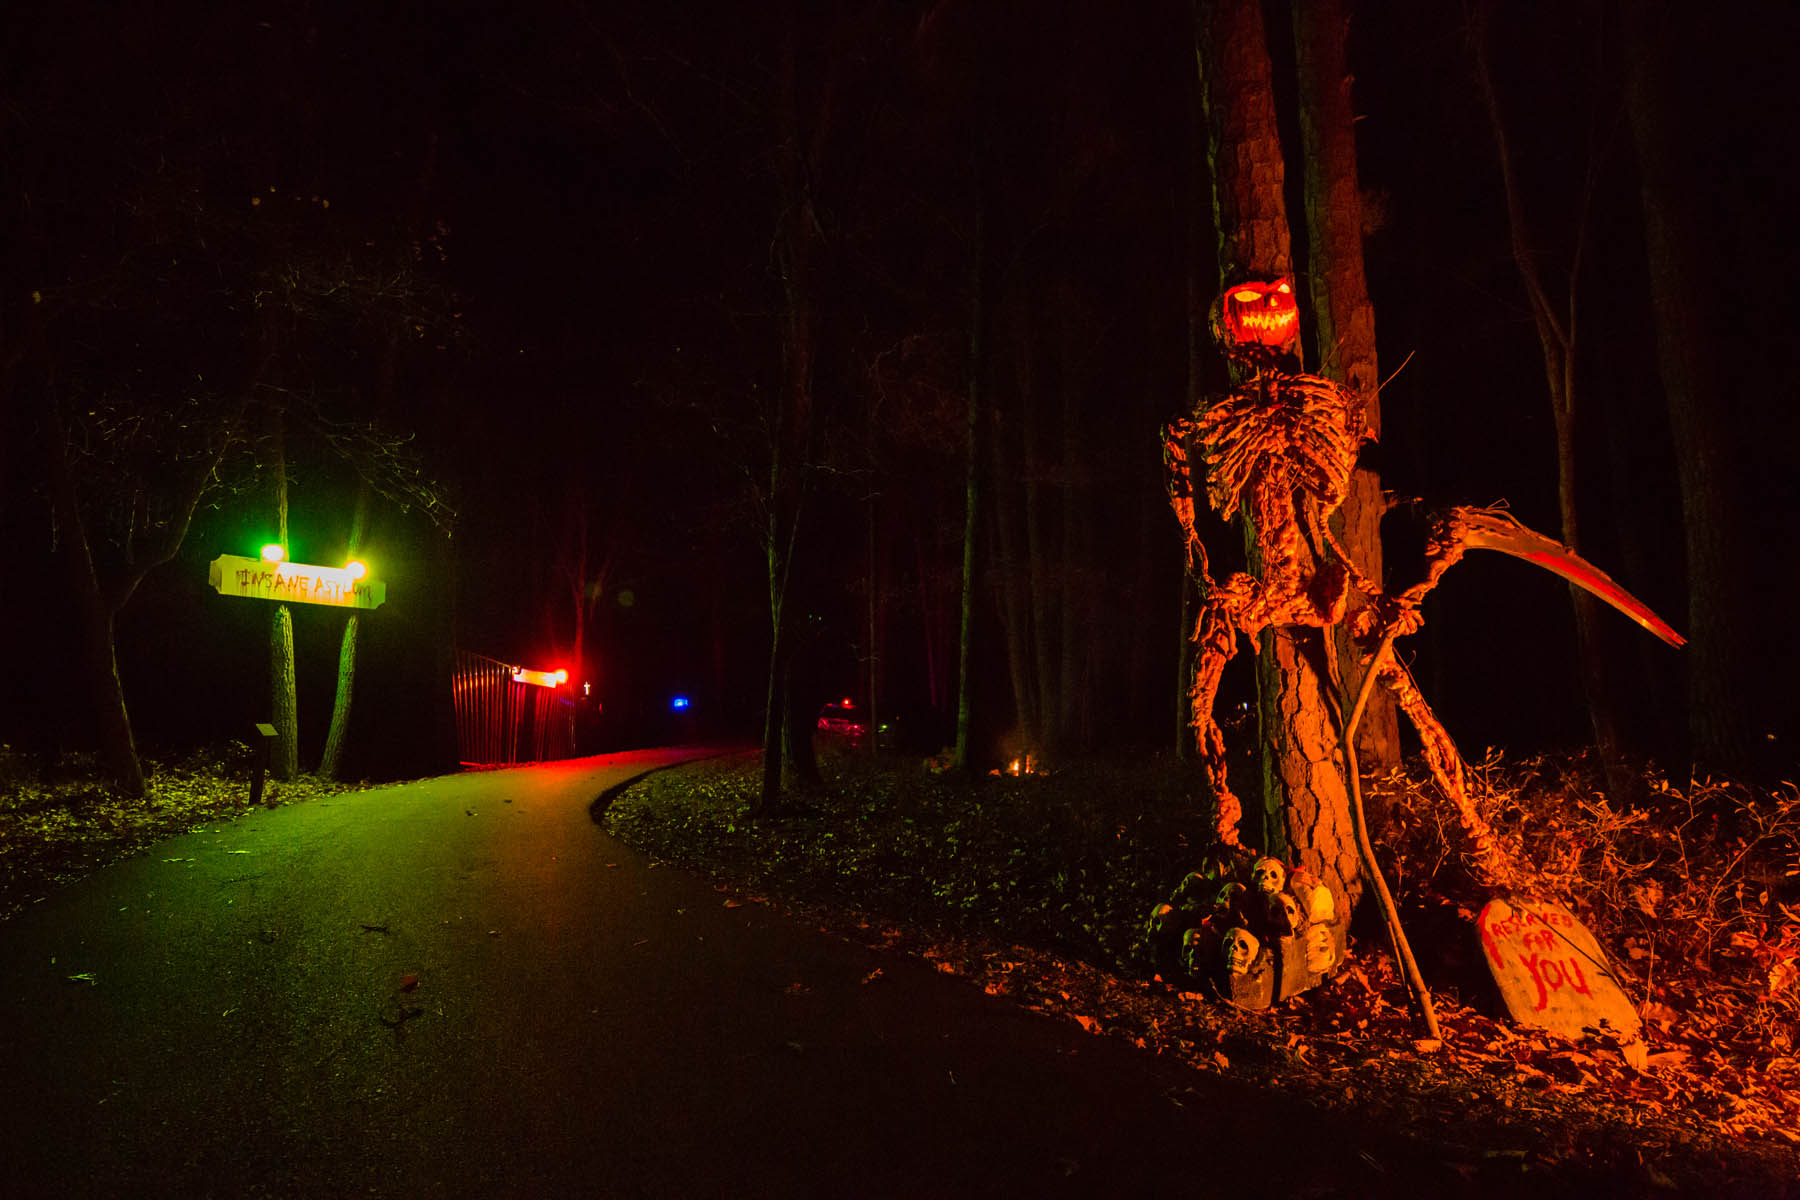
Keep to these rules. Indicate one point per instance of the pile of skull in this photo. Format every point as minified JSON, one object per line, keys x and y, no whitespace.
{"x":1254,"y":933}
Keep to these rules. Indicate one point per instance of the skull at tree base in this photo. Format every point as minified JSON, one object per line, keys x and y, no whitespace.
{"x":1320,"y":906}
{"x":1238,"y":950}
{"x":1161,"y":923}
{"x":1284,"y":916}
{"x":1196,"y":948}
{"x":1321,"y":949}
{"x":1269,"y":875}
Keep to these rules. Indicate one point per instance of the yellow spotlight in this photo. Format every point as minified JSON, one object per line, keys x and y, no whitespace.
{"x":562,"y":677}
{"x":355,"y":569}
{"x":274,"y":552}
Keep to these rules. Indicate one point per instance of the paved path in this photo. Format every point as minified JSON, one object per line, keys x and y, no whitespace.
{"x":581,"y":1024}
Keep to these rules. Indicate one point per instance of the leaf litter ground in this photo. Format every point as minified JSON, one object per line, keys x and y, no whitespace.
{"x":1035,"y":888}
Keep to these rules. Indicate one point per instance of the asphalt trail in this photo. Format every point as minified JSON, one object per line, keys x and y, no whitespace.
{"x":463,"y":987}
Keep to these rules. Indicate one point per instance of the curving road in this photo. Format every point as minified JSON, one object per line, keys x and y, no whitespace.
{"x":463,"y":986}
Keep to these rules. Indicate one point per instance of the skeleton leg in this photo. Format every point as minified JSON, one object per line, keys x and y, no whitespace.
{"x":1492,"y":865}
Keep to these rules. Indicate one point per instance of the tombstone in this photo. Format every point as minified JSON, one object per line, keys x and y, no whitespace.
{"x":1551,"y":971}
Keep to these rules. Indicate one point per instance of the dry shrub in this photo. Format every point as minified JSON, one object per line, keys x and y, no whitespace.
{"x":1695,"y":889}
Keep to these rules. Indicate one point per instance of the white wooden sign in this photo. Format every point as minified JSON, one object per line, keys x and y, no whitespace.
{"x":293,"y":583}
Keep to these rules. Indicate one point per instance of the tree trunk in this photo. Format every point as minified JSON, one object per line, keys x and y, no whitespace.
{"x":1343,"y":321}
{"x":1015,"y":608}
{"x":331,"y":759}
{"x":283,"y":701}
{"x":768,"y":800}
{"x":1718,"y":718}
{"x":1070,"y":732}
{"x":1304,"y":801}
{"x":801,"y":708}
{"x":1557,"y":325}
{"x":284,"y":763}
{"x":93,"y":615}
{"x":1038,"y":576}
{"x":974,"y":443}
{"x":797,"y":235}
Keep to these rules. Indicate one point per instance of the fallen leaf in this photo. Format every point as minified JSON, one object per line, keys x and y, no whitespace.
{"x":1088,"y":1023}
{"x":734,"y":904}
{"x":872,"y":976}
{"x":1219,"y":1057}
{"x":408,"y":982}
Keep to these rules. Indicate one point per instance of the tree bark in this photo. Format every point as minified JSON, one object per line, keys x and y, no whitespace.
{"x":1304,"y":803}
{"x":94,"y":618}
{"x":97,"y":603}
{"x":1687,"y":358}
{"x":1343,"y":321}
{"x":283,"y":700}
{"x":331,"y":760}
{"x":797,"y":237}
{"x":1557,"y":327}
{"x":975,"y":454}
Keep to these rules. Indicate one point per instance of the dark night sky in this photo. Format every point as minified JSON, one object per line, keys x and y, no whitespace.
{"x":604,"y":174}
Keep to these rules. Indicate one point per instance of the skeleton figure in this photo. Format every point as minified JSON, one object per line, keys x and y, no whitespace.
{"x":1238,"y":950}
{"x":1281,"y":448}
{"x":1269,"y":875}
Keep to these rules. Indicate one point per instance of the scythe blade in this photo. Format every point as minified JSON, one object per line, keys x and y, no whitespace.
{"x":1489,"y":529}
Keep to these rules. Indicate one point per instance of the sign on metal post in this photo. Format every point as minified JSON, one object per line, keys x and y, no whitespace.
{"x":293,"y":583}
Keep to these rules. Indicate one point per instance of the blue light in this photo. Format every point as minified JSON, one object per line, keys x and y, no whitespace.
{"x":679,"y":702}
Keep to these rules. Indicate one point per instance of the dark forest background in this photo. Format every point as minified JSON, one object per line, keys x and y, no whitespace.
{"x":528,"y":267}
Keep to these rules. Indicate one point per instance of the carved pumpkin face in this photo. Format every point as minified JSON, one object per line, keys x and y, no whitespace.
{"x":1259,"y":314}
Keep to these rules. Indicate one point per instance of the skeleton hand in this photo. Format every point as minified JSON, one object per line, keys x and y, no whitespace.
{"x":1385,"y":615}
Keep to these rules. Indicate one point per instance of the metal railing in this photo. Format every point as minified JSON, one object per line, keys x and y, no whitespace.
{"x":500,"y":721}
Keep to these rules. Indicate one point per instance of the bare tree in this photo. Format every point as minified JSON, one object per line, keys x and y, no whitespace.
{"x":1305,"y":809}
{"x":1343,"y":317}
{"x":1556,"y":316}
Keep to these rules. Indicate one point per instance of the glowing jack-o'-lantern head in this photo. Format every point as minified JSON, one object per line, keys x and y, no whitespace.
{"x":1258,"y":317}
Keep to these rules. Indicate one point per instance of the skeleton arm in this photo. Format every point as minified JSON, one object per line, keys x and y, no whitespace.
{"x":1179,"y":479}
